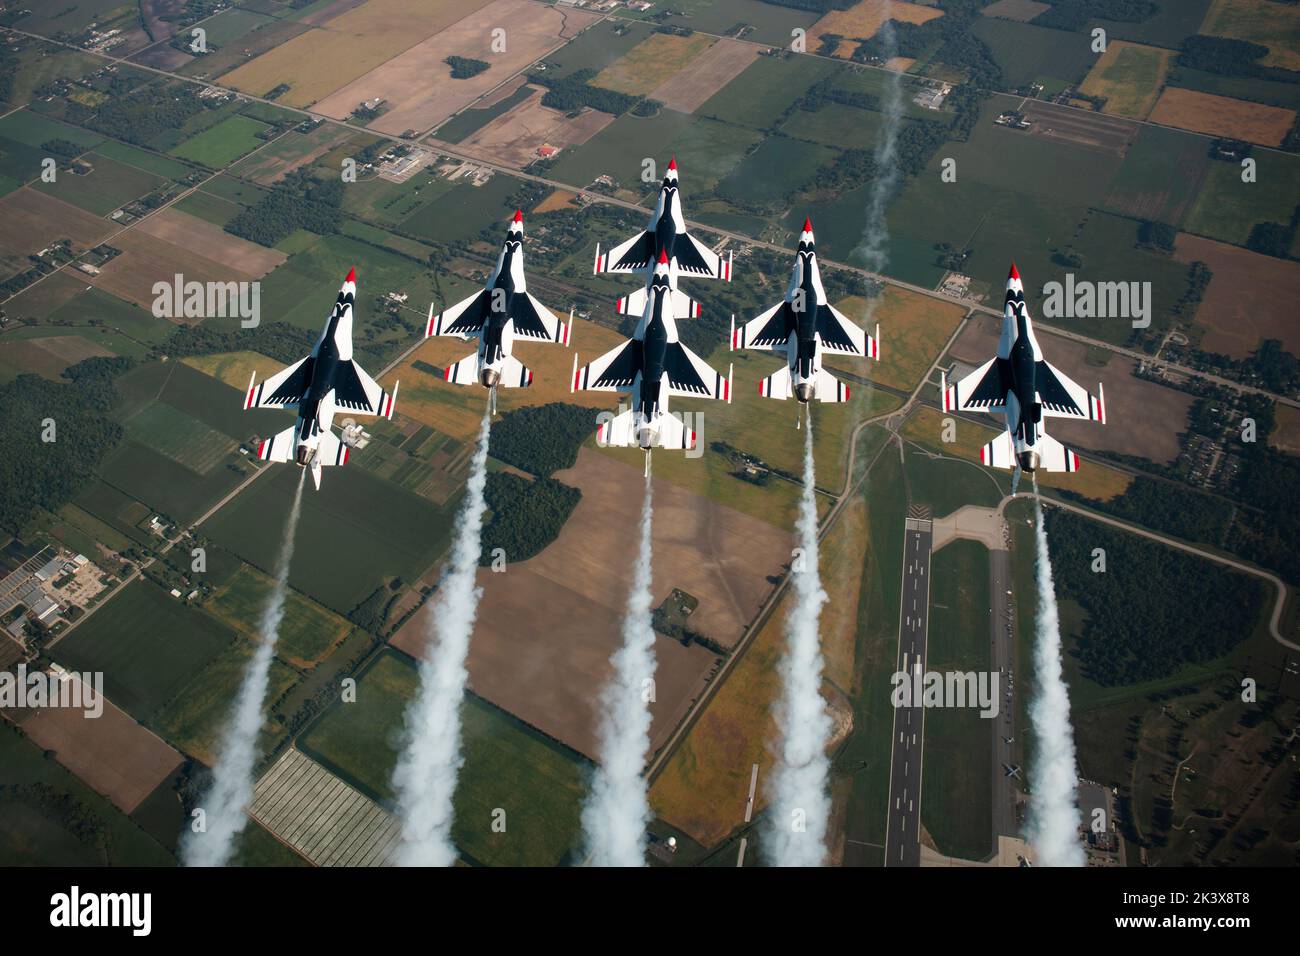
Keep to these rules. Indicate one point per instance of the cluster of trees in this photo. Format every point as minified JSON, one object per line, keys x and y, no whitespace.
{"x":372,"y":613}
{"x":463,"y":67}
{"x":1268,"y":527}
{"x":1075,"y":14}
{"x":55,"y":434}
{"x":1274,"y":238}
{"x":1228,"y":57}
{"x":1198,"y":280}
{"x":63,"y":808}
{"x":824,"y":91}
{"x":542,"y":439}
{"x":1154,"y":609}
{"x":573,"y":92}
{"x":62,"y":147}
{"x":527,"y":515}
{"x":142,"y":115}
{"x":1157,"y":235}
{"x":278,"y":340}
{"x":300,"y":202}
{"x":1169,"y":507}
{"x":816,"y":6}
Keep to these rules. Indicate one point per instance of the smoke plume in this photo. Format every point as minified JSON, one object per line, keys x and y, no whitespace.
{"x":800,"y":807}
{"x":426,"y":773}
{"x":874,"y":248}
{"x":232,"y":776}
{"x":617,"y":810}
{"x":1053,"y":801}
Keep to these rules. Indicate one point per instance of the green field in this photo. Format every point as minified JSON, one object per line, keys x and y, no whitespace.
{"x":36,"y":835}
{"x":619,"y":149}
{"x":835,"y":125}
{"x":767,"y":87}
{"x":193,"y":722}
{"x":229,"y":25}
{"x":356,"y":534}
{"x":712,"y":150}
{"x":308,"y":632}
{"x":957,"y":797}
{"x":1169,"y":25}
{"x":1160,"y":176}
{"x":108,"y":187}
{"x":946,"y":484}
{"x":538,"y":783}
{"x":223,"y":143}
{"x":154,"y":163}
{"x":180,"y":437}
{"x":770,"y":23}
{"x":209,"y":208}
{"x":33,"y":129}
{"x":1227,"y":208}
{"x":776,"y":170}
{"x":126,"y":328}
{"x":1027,"y":54}
{"x":594,"y":49}
{"x":147,"y":643}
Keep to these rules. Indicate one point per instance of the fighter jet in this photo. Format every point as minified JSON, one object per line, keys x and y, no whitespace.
{"x":666,"y":232}
{"x":651,"y":366}
{"x":326,"y":380}
{"x":1024,"y":388}
{"x":498,"y":314}
{"x":801,"y":328}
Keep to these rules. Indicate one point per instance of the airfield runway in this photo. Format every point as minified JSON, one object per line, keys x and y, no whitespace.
{"x":903,"y":828}
{"x":1005,"y":782}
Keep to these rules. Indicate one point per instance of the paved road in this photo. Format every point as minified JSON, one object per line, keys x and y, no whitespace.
{"x":903,"y":827}
{"x":1005,"y":788}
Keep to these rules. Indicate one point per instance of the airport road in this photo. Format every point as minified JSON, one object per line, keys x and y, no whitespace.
{"x":903,"y":827}
{"x":1005,"y":787}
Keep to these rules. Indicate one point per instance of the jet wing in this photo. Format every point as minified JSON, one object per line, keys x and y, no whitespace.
{"x":838,"y":334}
{"x":688,"y":374}
{"x":463,"y":319}
{"x":356,"y":391}
{"x":983,"y":390}
{"x":284,"y":389}
{"x":635,"y":255}
{"x":769,"y":332}
{"x":535,"y":321}
{"x":1000,"y":452}
{"x":1053,"y":456}
{"x":612,"y":372}
{"x":1063,"y":398}
{"x":684,"y":307}
{"x":695,"y":258}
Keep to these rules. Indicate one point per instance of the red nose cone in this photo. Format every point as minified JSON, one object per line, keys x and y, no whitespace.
{"x":519,"y":215}
{"x":1015,"y":273}
{"x":672,"y":163}
{"x":352,"y":275}
{"x":807,"y":224}
{"x":663,"y":257}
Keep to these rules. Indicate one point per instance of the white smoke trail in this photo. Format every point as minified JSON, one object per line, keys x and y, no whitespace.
{"x":1053,"y":801}
{"x":617,"y":809}
{"x":875,"y":234}
{"x":232,"y":776}
{"x":425,"y":775}
{"x":800,"y":807}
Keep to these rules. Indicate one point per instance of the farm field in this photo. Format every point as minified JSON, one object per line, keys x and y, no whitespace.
{"x":765,"y":89}
{"x":220,"y":145}
{"x":1258,"y":21}
{"x":1161,"y":176}
{"x":768,"y":23}
{"x":200,"y":237}
{"x":691,"y":87}
{"x":147,"y":643}
{"x":195,"y":719}
{"x":386,"y":532}
{"x":1129,"y":76}
{"x":139,"y":760}
{"x":1227,"y":208}
{"x":515,"y":137}
{"x":1032,"y":54}
{"x":110,"y":186}
{"x":322,"y":60}
{"x":913,"y":331}
{"x":862,"y":20}
{"x":49,"y":355}
{"x":507,"y":764}
{"x":308,"y":633}
{"x":31,"y":836}
{"x":1250,"y":298}
{"x":414,"y":103}
{"x":575,"y":592}
{"x":652,"y":62}
{"x":1223,"y":116}
{"x":30,"y":220}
